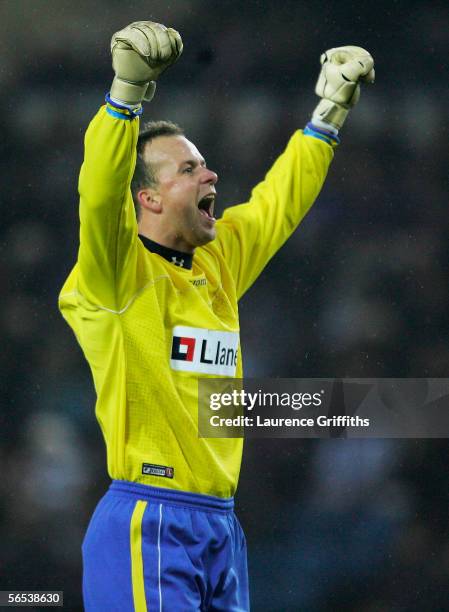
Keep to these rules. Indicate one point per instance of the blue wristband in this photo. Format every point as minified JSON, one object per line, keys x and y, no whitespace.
{"x":133,"y":112}
{"x":312,"y":130}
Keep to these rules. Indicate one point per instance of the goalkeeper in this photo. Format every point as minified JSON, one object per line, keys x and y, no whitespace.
{"x":151,"y":298}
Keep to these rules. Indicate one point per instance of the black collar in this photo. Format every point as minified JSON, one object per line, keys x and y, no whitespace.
{"x":182,"y":260}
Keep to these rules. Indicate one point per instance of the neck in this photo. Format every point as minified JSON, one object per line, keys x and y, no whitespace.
{"x":165,"y":239}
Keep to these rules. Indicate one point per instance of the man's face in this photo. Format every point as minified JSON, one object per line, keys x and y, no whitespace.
{"x":186,"y":189}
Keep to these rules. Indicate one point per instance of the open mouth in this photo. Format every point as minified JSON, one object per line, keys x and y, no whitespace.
{"x":206,"y":205}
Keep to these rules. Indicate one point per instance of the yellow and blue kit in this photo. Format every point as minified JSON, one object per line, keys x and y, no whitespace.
{"x":150,"y":323}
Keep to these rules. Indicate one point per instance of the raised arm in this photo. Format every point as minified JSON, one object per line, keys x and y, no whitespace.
{"x":108,"y":227}
{"x":250,"y":234}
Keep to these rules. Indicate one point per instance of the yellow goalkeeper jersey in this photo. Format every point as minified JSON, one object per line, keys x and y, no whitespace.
{"x":149,"y":328}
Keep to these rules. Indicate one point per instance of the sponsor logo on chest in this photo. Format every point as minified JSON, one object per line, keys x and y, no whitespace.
{"x":204,"y":351}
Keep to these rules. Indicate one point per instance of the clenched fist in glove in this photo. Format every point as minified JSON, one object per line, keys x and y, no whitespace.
{"x":140,"y":54}
{"x":343,"y":68}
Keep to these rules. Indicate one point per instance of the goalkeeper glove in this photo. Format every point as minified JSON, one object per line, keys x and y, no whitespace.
{"x":140,"y":54}
{"x":342,"y":70}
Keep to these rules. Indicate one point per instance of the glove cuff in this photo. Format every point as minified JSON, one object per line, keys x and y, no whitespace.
{"x":129,"y":93}
{"x":151,"y":90}
{"x":331,"y":113}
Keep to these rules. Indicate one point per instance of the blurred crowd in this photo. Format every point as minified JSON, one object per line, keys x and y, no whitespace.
{"x":360,"y":290}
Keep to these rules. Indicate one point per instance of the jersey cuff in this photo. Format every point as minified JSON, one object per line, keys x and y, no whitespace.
{"x":312,"y":130}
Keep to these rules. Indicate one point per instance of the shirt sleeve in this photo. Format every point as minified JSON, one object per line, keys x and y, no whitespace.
{"x":107,"y":256}
{"x":249,"y":234}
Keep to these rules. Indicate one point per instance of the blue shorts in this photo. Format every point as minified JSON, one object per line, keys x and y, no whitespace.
{"x":154,"y":549}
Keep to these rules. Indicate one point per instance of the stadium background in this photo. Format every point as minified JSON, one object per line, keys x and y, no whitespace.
{"x":360,"y":290}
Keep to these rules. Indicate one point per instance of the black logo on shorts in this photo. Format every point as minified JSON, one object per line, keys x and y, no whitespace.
{"x":150,"y":469}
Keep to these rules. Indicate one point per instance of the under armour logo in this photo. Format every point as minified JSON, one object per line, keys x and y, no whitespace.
{"x":177,"y":262}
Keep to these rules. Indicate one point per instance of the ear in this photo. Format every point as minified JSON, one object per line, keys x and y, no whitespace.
{"x":149,"y":199}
